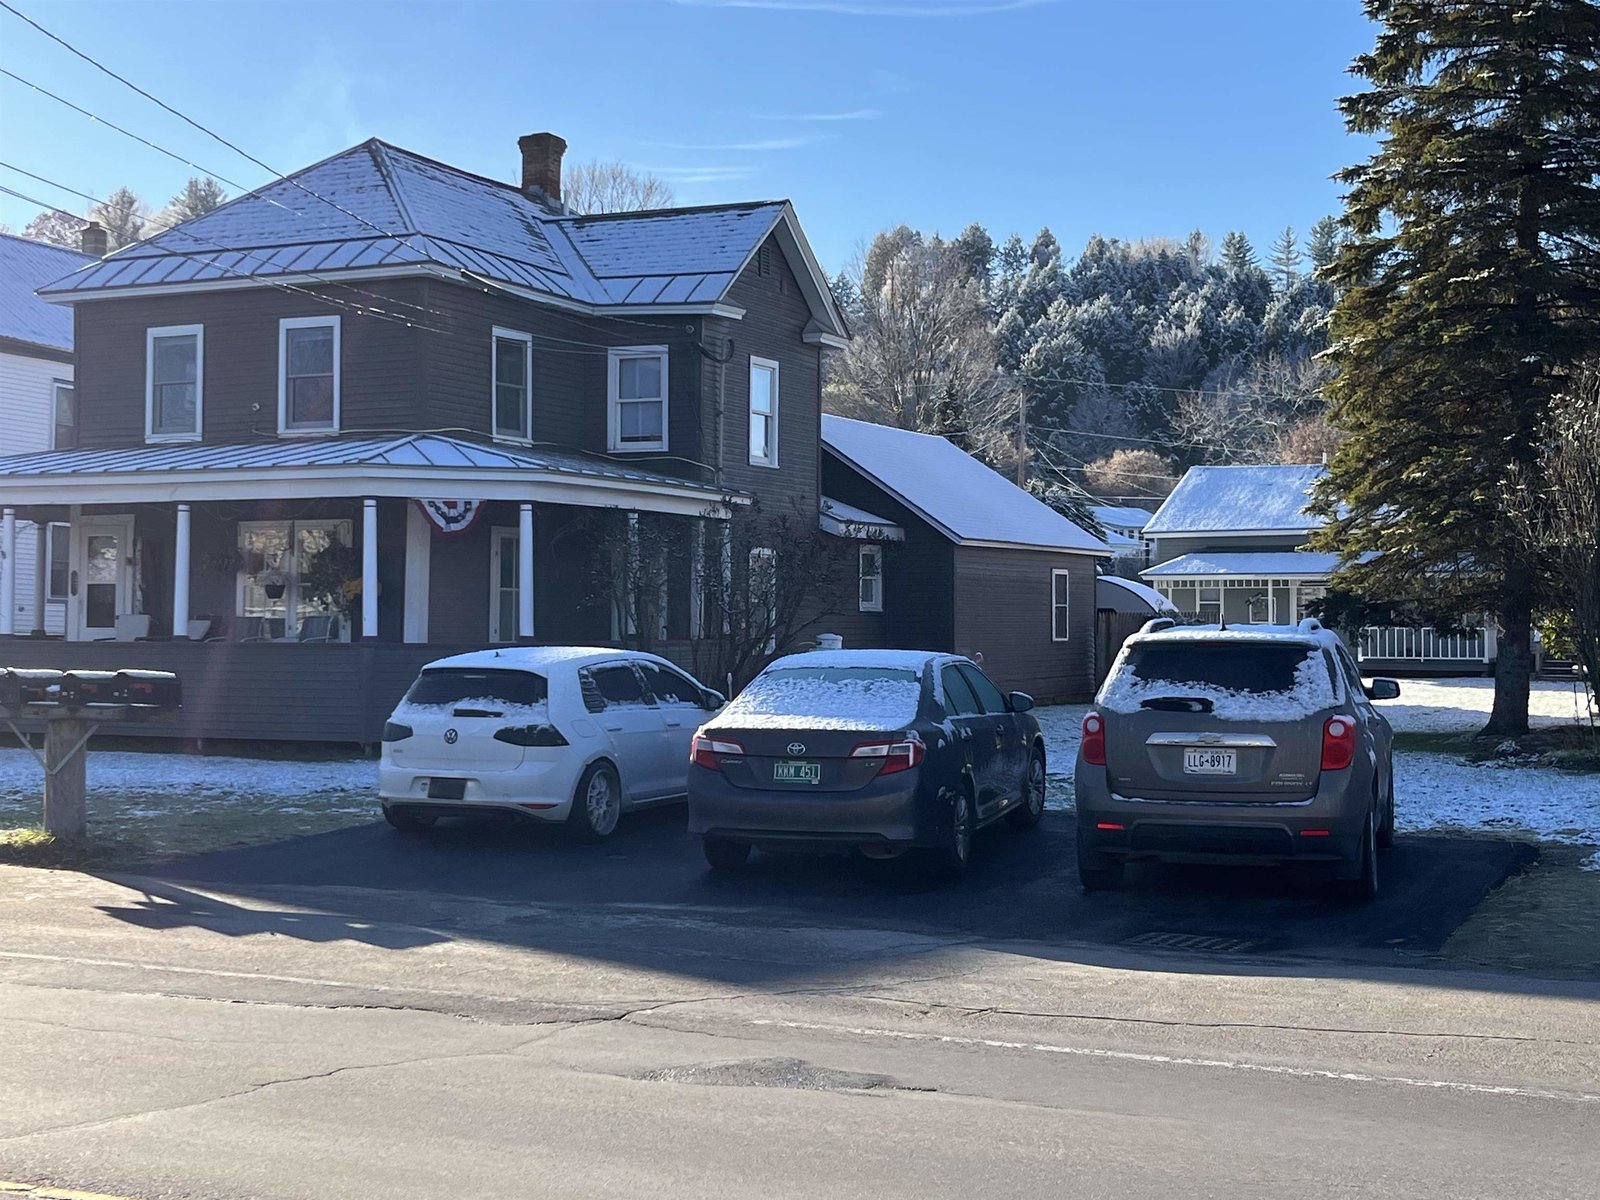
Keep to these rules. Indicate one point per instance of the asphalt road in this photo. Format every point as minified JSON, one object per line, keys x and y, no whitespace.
{"x":1022,"y":885}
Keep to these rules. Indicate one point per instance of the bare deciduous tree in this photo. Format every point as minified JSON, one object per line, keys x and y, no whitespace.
{"x":56,"y":227}
{"x":611,"y":186}
{"x":1250,"y":419}
{"x":1130,"y":475}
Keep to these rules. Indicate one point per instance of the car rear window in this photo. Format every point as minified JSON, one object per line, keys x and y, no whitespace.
{"x":455,"y":686}
{"x":853,"y":697}
{"x":1245,"y":680}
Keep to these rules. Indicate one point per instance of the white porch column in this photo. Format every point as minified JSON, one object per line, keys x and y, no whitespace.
{"x":180,"y":575}
{"x":41,"y":574}
{"x":525,"y":571}
{"x":419,"y":560}
{"x":8,"y":572}
{"x":369,"y":569}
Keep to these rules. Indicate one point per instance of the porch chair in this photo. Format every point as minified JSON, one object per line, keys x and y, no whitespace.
{"x":319,"y":628}
{"x":129,"y":627}
{"x":243,"y":629}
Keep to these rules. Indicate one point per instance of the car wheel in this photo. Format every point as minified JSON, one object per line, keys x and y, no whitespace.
{"x":1386,"y":829}
{"x":596,"y":804}
{"x":408,"y":822}
{"x":1026,"y":815}
{"x":951,"y":860}
{"x":1097,"y":872}
{"x":1364,"y":886}
{"x":724,"y":855}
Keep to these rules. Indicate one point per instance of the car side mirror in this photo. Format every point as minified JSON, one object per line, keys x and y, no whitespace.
{"x":1382,"y":689}
{"x":711,"y":701}
{"x":1019,"y":702}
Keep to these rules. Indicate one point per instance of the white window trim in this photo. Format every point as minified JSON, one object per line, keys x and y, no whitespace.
{"x":613,"y":401}
{"x":771,"y":459}
{"x":511,"y":335}
{"x":864,"y":553}
{"x":150,"y":336}
{"x":55,"y":411}
{"x":284,"y":326}
{"x":498,"y":535}
{"x":1055,"y":631}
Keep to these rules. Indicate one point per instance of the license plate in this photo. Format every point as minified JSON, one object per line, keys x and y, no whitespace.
{"x":1210,"y":762}
{"x":797,"y":772}
{"x":447,"y":789}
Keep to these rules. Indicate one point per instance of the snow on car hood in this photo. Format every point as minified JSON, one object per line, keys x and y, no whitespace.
{"x":1312,"y":691}
{"x":792,"y":700}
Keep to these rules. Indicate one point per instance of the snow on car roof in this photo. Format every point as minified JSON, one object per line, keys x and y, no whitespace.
{"x":1239,"y":499}
{"x":533,"y":658}
{"x":1307,"y":633}
{"x":910,"y":660}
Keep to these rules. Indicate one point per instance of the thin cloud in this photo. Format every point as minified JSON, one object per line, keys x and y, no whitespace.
{"x":702,"y":174}
{"x":854,"y":114}
{"x":877,"y":8}
{"x":789,"y":143}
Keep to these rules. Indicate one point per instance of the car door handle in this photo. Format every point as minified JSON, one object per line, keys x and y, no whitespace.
{"x":617,"y":728}
{"x":671,"y":724}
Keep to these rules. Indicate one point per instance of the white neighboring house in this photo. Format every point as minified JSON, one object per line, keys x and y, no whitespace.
{"x":1229,"y":544}
{"x":36,"y":410}
{"x":1124,"y":526}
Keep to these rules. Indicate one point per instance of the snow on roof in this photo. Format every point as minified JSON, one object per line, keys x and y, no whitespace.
{"x":952,"y":490}
{"x":376,"y":205}
{"x":846,"y":520}
{"x":1308,"y":633}
{"x":1238,"y":500}
{"x":533,"y":658}
{"x":1120,"y":516}
{"x":1283,"y":563}
{"x":1129,"y":595}
{"x":25,"y":266}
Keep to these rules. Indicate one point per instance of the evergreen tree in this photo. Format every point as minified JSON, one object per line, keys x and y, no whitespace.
{"x":1286,"y":258}
{"x":1238,"y":255}
{"x":1322,"y":243}
{"x":975,"y":248}
{"x":1470,"y":292}
{"x":200,"y":195}
{"x":123,"y":214}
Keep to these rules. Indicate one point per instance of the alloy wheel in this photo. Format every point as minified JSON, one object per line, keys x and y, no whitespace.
{"x":602,"y":803}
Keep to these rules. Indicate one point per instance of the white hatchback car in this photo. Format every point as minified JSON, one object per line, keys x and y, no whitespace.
{"x":549,"y":733}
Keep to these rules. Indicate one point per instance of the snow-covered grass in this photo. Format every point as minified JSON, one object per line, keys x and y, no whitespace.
{"x":1462,"y":705}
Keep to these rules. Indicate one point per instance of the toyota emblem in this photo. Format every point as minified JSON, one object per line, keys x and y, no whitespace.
{"x":797,"y":748}
{"x":451,"y":737}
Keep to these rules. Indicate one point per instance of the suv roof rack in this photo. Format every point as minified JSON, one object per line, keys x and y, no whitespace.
{"x":1310,"y":625}
{"x":1157,"y":624}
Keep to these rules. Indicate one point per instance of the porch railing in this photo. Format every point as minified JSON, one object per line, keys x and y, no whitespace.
{"x":1403,"y":643}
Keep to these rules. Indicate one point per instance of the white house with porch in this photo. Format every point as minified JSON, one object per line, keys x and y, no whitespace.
{"x":1229,"y":545}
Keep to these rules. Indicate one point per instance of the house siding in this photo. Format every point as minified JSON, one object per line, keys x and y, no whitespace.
{"x":1165,"y":549}
{"x":27,"y":421}
{"x":1003,"y":611}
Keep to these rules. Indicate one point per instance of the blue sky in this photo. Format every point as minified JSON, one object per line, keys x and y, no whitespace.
{"x":1132,"y":118}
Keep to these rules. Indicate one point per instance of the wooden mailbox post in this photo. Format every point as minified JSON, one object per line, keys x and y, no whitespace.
{"x":73,"y":705}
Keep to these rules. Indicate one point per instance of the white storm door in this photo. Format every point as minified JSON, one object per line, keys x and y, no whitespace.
{"x":100,"y":577}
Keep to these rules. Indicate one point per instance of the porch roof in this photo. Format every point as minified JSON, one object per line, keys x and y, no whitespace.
{"x":412,"y":466}
{"x":1284,"y":564}
{"x":847,"y":521}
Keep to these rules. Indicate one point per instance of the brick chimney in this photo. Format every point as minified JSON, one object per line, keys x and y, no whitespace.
{"x":93,"y":239}
{"x":541,"y":166}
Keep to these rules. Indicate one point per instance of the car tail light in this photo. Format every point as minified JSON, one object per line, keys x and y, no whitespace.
{"x":1338,"y":743}
{"x":394,"y":732}
{"x":897,"y":756}
{"x":1094,"y":740}
{"x":530,"y":735}
{"x":708,"y":751}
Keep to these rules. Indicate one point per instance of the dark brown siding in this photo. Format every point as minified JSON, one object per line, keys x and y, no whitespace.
{"x":380,"y":381}
{"x":1003,"y":611}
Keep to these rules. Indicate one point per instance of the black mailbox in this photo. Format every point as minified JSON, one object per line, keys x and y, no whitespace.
{"x":23,"y":685}
{"x":147,"y":689}
{"x":79,"y":688}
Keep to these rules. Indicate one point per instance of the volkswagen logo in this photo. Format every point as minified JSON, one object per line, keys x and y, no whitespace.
{"x":796,"y":748}
{"x":451,"y":737}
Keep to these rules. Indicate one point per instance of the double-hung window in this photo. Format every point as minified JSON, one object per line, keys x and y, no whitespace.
{"x":763,"y":412}
{"x":1060,"y":605}
{"x":871,"y":598}
{"x":174,"y":383}
{"x":637,"y":390}
{"x":513,"y":385}
{"x":64,"y":409}
{"x":58,"y":537}
{"x":308,"y":375}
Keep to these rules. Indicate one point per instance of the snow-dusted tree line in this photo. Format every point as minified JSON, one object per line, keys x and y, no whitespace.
{"x":1117,"y":367}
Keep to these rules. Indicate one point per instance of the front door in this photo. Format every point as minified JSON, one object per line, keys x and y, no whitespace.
{"x":100,"y":578}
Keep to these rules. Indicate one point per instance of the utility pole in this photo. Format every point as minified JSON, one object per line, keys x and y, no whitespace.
{"x":1022,"y":438}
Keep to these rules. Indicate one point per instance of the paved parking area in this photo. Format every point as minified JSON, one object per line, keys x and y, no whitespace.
{"x":1022,"y":885}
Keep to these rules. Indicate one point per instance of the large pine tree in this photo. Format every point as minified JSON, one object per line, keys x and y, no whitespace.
{"x":1472,"y":286}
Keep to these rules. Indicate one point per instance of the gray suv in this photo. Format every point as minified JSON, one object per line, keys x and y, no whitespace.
{"x":1254,"y":744}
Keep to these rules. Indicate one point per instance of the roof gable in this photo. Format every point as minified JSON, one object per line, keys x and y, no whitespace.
{"x":947,"y":487}
{"x":25,"y":266}
{"x":1253,"y":499}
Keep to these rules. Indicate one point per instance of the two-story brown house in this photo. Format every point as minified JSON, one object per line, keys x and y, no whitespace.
{"x":382,"y":410}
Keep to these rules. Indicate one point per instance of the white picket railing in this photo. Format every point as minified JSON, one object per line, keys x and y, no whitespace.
{"x":1401,"y":642}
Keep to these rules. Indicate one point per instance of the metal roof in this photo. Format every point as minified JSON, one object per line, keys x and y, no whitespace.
{"x":25,"y":266}
{"x":1239,"y":500}
{"x":1303,"y":564}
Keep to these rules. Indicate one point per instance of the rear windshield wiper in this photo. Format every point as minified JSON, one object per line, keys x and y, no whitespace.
{"x":1192,"y":704}
{"x":476,"y":712}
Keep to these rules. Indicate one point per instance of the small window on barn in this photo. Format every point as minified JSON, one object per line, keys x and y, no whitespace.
{"x":1060,"y":605}
{"x":871,"y":599}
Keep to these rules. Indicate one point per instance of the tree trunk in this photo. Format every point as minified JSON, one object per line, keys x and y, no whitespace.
{"x":1513,"y":667}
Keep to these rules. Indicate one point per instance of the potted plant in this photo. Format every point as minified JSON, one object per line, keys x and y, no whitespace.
{"x":332,"y":577}
{"x":273,"y":582}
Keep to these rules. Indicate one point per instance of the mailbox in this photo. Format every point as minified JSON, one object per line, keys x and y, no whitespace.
{"x":80,"y":688}
{"x":147,"y":689}
{"x":23,"y":685}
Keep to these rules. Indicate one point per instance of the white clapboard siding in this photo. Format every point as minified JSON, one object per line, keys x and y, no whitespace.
{"x":27,"y":397}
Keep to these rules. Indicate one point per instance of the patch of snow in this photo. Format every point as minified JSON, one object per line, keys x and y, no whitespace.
{"x":803,"y":698}
{"x":1239,"y":498}
{"x":1462,"y":705}
{"x":190,"y":776}
{"x":1592,"y":863}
